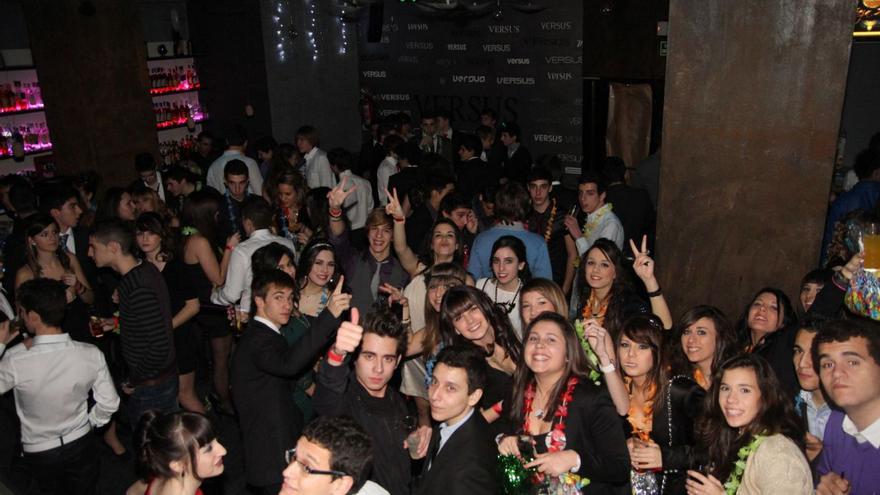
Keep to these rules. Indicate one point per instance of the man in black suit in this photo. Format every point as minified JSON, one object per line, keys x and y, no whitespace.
{"x":518,"y":161}
{"x":473,"y":173}
{"x":632,"y":206}
{"x":411,"y":175}
{"x":263,"y":369}
{"x":461,"y":458}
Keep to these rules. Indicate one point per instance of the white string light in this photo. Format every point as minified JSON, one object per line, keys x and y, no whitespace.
{"x":282,"y":40}
{"x":344,"y":48}
{"x":312,"y":30}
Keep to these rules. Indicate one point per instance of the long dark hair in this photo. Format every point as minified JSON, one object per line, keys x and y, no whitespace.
{"x":575,"y":365}
{"x":726,"y":343}
{"x":200,"y":212}
{"x":35,"y":225}
{"x":460,"y":299}
{"x":307,"y":260}
{"x":648,"y":330}
{"x":152,"y":222}
{"x":785,"y":312}
{"x":427,"y":254}
{"x":614,"y":315}
{"x":776,"y":415}
{"x":318,"y":210}
{"x":109,"y":206}
{"x":165,"y":438}
{"x":451,"y":275}
{"x":516,"y":245}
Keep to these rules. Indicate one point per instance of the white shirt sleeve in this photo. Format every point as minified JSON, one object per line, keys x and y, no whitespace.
{"x":255,"y":178}
{"x":382,"y":176}
{"x":7,"y":377}
{"x":215,"y":179}
{"x":236,"y":279}
{"x":104,"y":393}
{"x":324,"y":173}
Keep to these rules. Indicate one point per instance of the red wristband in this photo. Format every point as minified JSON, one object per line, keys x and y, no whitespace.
{"x":335,"y":212}
{"x":498,"y":407}
{"x":337,"y":358}
{"x":228,"y":247}
{"x":400,"y":219}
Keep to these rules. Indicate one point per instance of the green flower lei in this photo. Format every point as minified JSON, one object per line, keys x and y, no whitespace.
{"x":735,"y":478}
{"x":588,"y":350}
{"x":189,"y":231}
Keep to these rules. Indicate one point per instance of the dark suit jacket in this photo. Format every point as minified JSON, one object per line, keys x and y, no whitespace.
{"x":678,"y":452}
{"x":634,"y":209}
{"x":465,"y":466}
{"x":474,"y":175}
{"x":405,"y":180}
{"x":517,"y":167}
{"x":262,"y":379}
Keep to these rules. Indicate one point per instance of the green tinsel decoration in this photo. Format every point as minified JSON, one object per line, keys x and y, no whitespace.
{"x":514,"y":477}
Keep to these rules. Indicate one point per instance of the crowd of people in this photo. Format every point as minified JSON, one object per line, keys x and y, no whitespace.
{"x":435,"y":314}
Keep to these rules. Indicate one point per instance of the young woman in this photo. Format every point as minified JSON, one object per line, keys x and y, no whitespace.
{"x":147,"y":200}
{"x":467,"y":314}
{"x":702,"y":340}
{"x":754,"y":439}
{"x":177,"y":452}
{"x":117,"y":203}
{"x":561,"y":415}
{"x":510,"y":271}
{"x":156,"y":244}
{"x":289,"y":197}
{"x":767,"y":328}
{"x":662,"y":408}
{"x":317,"y":275}
{"x":274,"y":256}
{"x":200,"y":254}
{"x":317,"y":215}
{"x":606,"y":295}
{"x":46,"y":258}
{"x":811,"y":284}
{"x":539,"y":295}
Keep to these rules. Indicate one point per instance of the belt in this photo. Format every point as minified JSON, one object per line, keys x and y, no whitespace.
{"x":162,"y":378}
{"x":54,"y":443}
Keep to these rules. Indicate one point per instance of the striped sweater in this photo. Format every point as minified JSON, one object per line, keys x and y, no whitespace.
{"x":145,"y":323}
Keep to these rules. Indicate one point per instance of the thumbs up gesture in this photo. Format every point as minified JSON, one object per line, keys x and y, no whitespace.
{"x":348,"y":337}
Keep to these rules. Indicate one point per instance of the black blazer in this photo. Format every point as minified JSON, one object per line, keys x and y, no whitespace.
{"x":465,"y":466}
{"x":262,"y":379}
{"x":687,"y":399}
{"x":517,"y":167}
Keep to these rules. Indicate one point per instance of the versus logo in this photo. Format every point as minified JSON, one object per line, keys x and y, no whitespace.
{"x":468,"y":79}
{"x":519,"y":61}
{"x":570,"y":158}
{"x":557,"y":25}
{"x":390,"y":28}
{"x":445,"y":62}
{"x":387,"y":112}
{"x":419,"y":45}
{"x":504,"y":29}
{"x":374,"y":74}
{"x":393,"y":97}
{"x":479,"y":60}
{"x":576,"y":121}
{"x":417,"y":27}
{"x":496,"y":48}
{"x":547,"y":138}
{"x":515,"y":81}
{"x":408,"y":59}
{"x":457,"y":47}
{"x":563,"y":59}
{"x":560,"y":76}
{"x":375,"y":57}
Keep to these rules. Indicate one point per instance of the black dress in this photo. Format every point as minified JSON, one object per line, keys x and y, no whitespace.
{"x":212,"y":319}
{"x":180,"y":290}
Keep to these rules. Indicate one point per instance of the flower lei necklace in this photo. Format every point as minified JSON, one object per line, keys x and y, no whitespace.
{"x":599,"y":315}
{"x":549,"y":230}
{"x":643,"y":430}
{"x":597,"y":216}
{"x":739,"y":467}
{"x":700,"y":378}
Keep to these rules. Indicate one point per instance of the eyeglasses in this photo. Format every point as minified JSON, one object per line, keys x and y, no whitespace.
{"x":290,"y":457}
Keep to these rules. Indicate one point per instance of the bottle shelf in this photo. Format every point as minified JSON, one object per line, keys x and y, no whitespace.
{"x":179,"y":122}
{"x":21,"y":111}
{"x":172,"y":90}
{"x":28,"y":150}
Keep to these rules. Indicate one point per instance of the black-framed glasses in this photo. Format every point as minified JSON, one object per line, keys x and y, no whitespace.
{"x":290,"y":457}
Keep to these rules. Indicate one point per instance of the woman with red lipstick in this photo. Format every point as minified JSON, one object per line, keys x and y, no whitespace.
{"x":753,"y":437}
{"x":568,"y":423}
{"x":702,"y":340}
{"x":662,"y":409}
{"x":316,"y":275}
{"x":767,"y":327}
{"x":510,"y":270}
{"x":177,"y":452}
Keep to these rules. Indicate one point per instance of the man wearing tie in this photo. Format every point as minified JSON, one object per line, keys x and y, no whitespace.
{"x":461,"y":458}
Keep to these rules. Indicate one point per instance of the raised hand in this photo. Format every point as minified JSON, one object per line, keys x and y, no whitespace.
{"x":574,"y":229}
{"x":394,"y":294}
{"x":233,"y":240}
{"x":472,"y":224}
{"x":339,"y":301}
{"x":393,"y":207}
{"x":337,"y":196}
{"x":348,"y":337}
{"x":600,"y":341}
{"x":643,"y":264}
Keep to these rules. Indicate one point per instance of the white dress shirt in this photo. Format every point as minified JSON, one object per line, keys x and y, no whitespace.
{"x":317,"y":169}
{"x":609,"y":227}
{"x":386,"y":169}
{"x":71,"y":242}
{"x":870,"y":434}
{"x":268,"y":323}
{"x":215,"y":172}
{"x":237,"y":289}
{"x":360,"y":203}
{"x":446,"y":431}
{"x":51,"y":382}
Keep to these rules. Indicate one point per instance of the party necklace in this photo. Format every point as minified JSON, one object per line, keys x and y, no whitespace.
{"x":700,"y":378}
{"x":549,"y":230}
{"x":739,"y":467}
{"x":594,"y":219}
{"x":507,"y":306}
{"x":599,"y":315}
{"x":643,"y":430}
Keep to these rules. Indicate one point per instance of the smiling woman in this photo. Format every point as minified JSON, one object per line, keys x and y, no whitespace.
{"x":510,"y":271}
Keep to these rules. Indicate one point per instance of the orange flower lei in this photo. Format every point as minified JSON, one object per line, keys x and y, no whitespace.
{"x":549,"y":230}
{"x":700,"y":378}
{"x":643,"y":429}
{"x":587,"y":312}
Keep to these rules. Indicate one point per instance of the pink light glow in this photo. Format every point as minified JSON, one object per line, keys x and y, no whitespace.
{"x":20,"y":107}
{"x":184,"y":86}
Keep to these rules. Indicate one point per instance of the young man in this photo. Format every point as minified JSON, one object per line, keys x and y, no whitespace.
{"x":62,"y":203}
{"x":235,"y":194}
{"x":149,"y":174}
{"x":52,"y":381}
{"x":359,"y":204}
{"x":473,"y":173}
{"x":410,"y":174}
{"x":461,"y":458}
{"x":180,"y":183}
{"x":365,"y":396}
{"x":236,"y":140}
{"x":511,"y":208}
{"x":332,"y":457}
{"x":387,"y":167}
{"x":632,"y":206}
{"x":263,"y":368}
{"x":846,"y":355}
{"x":366,"y":270}
{"x":419,"y":224}
{"x":547,"y":219}
{"x":595,"y":214}
{"x":257,"y":217}
{"x":518,"y":161}
{"x":457,"y":207}
{"x":265,"y":147}
{"x":144,"y":319}
{"x":492,"y":151}
{"x":810,"y":402}
{"x":317,"y":168}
